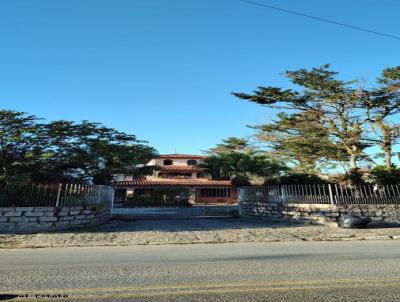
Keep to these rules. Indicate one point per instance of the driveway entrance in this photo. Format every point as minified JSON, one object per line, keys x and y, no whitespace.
{"x":169,"y":202}
{"x":197,"y":210}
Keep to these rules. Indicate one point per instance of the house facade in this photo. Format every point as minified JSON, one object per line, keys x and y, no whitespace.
{"x":178,"y":171}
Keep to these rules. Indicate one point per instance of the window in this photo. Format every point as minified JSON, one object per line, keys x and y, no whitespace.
{"x":168,"y":162}
{"x":219,"y":192}
{"x":192,"y":162}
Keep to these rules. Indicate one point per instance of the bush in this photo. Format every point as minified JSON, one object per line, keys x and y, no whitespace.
{"x":382,"y":175}
{"x":297,"y":178}
{"x":354,"y":177}
{"x":240,"y":180}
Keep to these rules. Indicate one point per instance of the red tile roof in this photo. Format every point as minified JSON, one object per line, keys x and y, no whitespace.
{"x":186,"y":156}
{"x":190,"y":182}
{"x":179,"y":168}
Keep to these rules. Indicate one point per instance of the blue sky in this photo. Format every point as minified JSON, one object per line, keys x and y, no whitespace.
{"x":164,"y":69}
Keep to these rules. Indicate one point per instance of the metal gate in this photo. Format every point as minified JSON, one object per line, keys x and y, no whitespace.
{"x":167,"y":202}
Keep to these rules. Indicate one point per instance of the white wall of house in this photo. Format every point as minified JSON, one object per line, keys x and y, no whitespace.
{"x":152,"y":162}
{"x":160,"y":162}
{"x":122,"y":177}
{"x":176,"y":161}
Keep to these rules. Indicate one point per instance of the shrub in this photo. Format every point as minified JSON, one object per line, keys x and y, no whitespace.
{"x":382,"y":175}
{"x":354,"y":177}
{"x":297,"y":178}
{"x":240,"y":180}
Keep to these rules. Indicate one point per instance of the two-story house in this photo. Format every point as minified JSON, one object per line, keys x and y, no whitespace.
{"x":179,"y":171}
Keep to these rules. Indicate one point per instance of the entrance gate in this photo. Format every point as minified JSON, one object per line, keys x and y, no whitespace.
{"x":167,"y":202}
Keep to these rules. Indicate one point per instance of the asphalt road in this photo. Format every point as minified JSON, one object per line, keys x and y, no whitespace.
{"x":295,"y":271}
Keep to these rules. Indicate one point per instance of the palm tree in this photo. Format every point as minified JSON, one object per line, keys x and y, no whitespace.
{"x":241,"y":168}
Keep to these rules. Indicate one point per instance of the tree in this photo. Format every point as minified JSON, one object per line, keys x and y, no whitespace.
{"x":92,"y":152}
{"x":299,"y":139}
{"x":113,"y":152}
{"x":335,"y":104}
{"x":64,"y":151}
{"x":232,"y":144}
{"x":20,"y":145}
{"x":242,"y":168}
{"x":235,"y":160}
{"x":381,"y":104}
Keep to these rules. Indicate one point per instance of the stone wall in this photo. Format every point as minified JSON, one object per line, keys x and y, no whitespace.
{"x":378,"y":214}
{"x":260,"y":209}
{"x":38,"y":219}
{"x":318,"y":213}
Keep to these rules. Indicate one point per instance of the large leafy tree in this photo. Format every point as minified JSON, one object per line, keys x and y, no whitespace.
{"x":299,"y":139}
{"x":334,"y":103}
{"x":91,"y":151}
{"x":381,"y":104}
{"x":64,"y":151}
{"x":21,"y":144}
{"x":111,"y":152}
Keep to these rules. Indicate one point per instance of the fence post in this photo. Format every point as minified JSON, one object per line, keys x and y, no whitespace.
{"x":283,"y":193}
{"x":99,"y":194}
{"x":240,"y":197}
{"x":58,"y":195}
{"x":112,"y":192}
{"x":330,"y":194}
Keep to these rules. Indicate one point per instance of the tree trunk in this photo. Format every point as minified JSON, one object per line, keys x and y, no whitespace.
{"x":353,"y":157}
{"x":387,"y":147}
{"x":386,"y":144}
{"x":353,"y":162}
{"x":388,"y":157}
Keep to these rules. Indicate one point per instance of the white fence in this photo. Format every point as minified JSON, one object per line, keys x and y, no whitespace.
{"x":324,"y":194}
{"x":54,"y":195}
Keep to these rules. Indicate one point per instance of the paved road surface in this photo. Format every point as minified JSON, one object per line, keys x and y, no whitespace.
{"x":303,"y":271}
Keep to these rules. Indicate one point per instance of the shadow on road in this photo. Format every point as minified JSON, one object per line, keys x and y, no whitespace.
{"x":182,"y":225}
{"x":177,"y":225}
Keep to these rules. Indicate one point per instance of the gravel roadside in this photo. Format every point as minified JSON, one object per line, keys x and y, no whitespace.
{"x":191,"y":231}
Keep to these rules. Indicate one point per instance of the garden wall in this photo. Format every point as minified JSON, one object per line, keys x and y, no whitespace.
{"x":38,"y":219}
{"x":379,"y":214}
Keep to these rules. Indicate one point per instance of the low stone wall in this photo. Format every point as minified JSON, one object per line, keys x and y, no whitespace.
{"x":319,"y":213}
{"x":379,"y":214}
{"x":38,"y":219}
{"x":260,"y":209}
